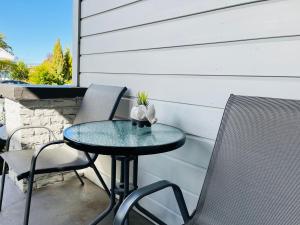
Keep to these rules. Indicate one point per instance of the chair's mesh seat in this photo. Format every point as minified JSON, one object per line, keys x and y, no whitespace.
{"x":254,"y":174}
{"x":59,"y":158}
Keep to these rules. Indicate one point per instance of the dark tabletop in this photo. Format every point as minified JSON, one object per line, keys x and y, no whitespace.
{"x":120,"y":137}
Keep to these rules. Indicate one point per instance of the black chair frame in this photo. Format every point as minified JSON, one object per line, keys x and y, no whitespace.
{"x":133,"y":199}
{"x":33,"y":170}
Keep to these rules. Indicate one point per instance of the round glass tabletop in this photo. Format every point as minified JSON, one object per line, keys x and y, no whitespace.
{"x":120,"y":137}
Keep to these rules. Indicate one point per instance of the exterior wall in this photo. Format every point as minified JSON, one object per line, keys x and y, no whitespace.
{"x":56,"y":114}
{"x":189,"y":55}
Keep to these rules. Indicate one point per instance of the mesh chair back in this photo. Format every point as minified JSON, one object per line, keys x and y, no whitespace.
{"x":254,"y":173}
{"x":99,"y":103}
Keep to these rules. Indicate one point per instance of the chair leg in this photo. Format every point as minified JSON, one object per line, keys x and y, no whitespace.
{"x":2,"y":184}
{"x":28,"y":199}
{"x":101,"y":179}
{"x":92,"y":164}
{"x":79,"y":178}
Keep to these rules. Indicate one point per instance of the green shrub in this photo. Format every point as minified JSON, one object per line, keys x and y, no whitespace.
{"x":20,"y":71}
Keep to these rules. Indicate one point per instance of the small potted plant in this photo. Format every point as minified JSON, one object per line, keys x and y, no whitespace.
{"x":142,"y":113}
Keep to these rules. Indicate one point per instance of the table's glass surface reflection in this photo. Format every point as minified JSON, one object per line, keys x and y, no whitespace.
{"x":121,"y":133}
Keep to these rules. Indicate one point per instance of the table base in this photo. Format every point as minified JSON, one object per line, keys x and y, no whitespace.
{"x":123,"y":189}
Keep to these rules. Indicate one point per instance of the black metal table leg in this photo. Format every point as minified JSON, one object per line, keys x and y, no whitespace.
{"x":112,"y":196}
{"x":124,"y":190}
{"x":126,"y":177}
{"x":126,"y":182}
{"x":135,"y":173}
{"x":121,"y":196}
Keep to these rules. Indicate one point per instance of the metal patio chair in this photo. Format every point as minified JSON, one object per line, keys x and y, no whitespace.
{"x":99,"y":103}
{"x":253,"y":176}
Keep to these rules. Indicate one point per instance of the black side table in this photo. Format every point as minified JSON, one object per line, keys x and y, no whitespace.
{"x":124,"y":142}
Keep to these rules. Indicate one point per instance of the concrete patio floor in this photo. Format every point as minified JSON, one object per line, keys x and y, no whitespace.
{"x":68,"y":203}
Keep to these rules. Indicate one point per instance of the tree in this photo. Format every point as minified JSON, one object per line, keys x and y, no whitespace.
{"x":56,"y":69}
{"x":41,"y":74}
{"x":4,"y":45}
{"x":67,"y":66}
{"x":20,"y":71}
{"x":57,"y":64}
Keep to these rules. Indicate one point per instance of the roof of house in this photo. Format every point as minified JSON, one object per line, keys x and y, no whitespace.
{"x":4,"y":55}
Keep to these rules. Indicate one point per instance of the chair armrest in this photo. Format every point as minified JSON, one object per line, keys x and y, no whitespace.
{"x":23,"y":128}
{"x":137,"y":195}
{"x":37,"y":153}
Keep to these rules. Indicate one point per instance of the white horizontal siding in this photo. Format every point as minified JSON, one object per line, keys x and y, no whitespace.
{"x":239,"y":58}
{"x":190,"y":56}
{"x":196,"y":120}
{"x":171,"y":87}
{"x":154,"y":165}
{"x":150,"y":11}
{"x":203,"y":29}
{"x":93,"y":7}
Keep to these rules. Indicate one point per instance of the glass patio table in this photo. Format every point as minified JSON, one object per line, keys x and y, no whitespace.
{"x":123,"y":142}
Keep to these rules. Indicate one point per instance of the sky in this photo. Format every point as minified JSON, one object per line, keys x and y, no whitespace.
{"x":31,"y":27}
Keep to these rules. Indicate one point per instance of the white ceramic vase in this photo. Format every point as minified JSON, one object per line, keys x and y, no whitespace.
{"x":143,"y":113}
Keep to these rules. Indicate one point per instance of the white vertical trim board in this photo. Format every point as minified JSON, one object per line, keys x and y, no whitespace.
{"x":76,"y":40}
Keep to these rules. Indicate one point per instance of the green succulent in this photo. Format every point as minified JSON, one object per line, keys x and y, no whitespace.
{"x":142,"y":98}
